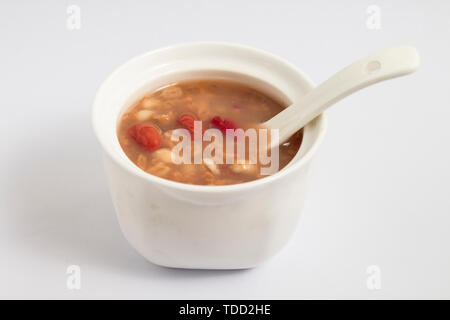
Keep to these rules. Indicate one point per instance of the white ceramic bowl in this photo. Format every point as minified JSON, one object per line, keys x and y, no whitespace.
{"x":208,"y":227}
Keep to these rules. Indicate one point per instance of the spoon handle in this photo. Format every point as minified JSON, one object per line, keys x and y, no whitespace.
{"x":382,"y":65}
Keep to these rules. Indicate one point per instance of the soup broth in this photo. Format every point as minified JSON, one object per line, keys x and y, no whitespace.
{"x":146,"y":130}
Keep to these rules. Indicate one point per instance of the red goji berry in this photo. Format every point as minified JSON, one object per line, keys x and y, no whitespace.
{"x":187,"y":121}
{"x":223,"y":124}
{"x":146,"y":135}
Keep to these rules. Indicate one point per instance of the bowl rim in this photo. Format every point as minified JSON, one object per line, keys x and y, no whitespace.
{"x":214,"y":189}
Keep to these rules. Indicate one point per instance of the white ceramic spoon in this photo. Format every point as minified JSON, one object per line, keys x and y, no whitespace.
{"x":383,"y":65}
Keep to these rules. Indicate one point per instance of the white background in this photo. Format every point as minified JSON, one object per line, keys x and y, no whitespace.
{"x":379,"y":195}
